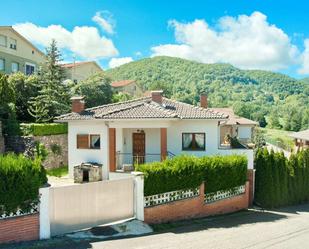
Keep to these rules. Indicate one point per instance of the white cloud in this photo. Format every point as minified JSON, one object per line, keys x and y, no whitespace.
{"x":245,"y":41}
{"x":105,"y":20}
{"x":83,"y":41}
{"x":116,"y":62}
{"x":305,"y":59}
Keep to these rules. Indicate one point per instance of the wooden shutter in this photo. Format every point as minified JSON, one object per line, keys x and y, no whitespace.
{"x":82,"y":142}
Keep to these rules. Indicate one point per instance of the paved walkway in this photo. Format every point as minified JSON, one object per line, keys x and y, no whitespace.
{"x":287,"y":228}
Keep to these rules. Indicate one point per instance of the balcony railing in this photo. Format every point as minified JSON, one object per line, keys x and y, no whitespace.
{"x":128,"y":161}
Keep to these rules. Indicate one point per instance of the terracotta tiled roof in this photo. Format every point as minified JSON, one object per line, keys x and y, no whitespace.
{"x":76,"y":64}
{"x":121,"y":83}
{"x":145,"y":108}
{"x":304,"y":135}
{"x":233,"y":118}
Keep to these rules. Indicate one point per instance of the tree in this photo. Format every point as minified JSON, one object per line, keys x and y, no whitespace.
{"x":52,"y":90}
{"x":26,"y":87}
{"x":96,"y":90}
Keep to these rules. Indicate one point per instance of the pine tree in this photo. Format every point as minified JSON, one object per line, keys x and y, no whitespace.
{"x":53,"y":92}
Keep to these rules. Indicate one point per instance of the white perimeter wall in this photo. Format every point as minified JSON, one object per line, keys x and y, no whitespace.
{"x":78,"y":156}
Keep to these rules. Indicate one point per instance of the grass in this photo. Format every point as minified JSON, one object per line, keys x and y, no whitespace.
{"x":279,"y":138}
{"x":58,"y":172}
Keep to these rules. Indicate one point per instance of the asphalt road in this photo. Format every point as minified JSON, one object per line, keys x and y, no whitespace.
{"x":285,"y":228}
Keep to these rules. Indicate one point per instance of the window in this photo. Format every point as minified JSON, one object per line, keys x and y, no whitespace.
{"x":95,"y":141}
{"x":2,"y":64}
{"x":15,"y":67}
{"x":29,"y":68}
{"x":193,"y":141}
{"x":88,"y":141}
{"x":3,"y":40}
{"x":13,"y":44}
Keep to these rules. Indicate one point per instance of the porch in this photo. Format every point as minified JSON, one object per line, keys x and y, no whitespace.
{"x":130,"y":146}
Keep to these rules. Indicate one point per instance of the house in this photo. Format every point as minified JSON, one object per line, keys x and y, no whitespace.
{"x":235,"y":126}
{"x":78,"y":71}
{"x":301,"y":139}
{"x":127,"y":86}
{"x":17,"y":53}
{"x":142,"y":130}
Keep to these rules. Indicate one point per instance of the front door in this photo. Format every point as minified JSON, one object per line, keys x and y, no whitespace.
{"x":138,"y":148}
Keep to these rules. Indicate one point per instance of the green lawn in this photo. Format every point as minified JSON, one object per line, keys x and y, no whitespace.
{"x":279,"y":138}
{"x":58,"y":172}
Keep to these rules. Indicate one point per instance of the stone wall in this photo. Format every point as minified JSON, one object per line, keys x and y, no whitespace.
{"x":2,"y":148}
{"x":56,"y":145}
{"x":195,"y":207}
{"x":20,"y":228}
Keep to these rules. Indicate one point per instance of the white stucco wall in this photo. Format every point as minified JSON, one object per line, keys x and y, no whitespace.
{"x":244,"y":132}
{"x":78,"y":156}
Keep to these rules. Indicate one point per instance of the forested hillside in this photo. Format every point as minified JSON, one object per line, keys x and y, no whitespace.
{"x":271,"y":98}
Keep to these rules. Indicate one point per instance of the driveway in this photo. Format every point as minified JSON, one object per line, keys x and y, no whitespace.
{"x":285,"y":228}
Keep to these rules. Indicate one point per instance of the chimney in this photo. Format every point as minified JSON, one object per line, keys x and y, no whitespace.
{"x":203,"y":100}
{"x":78,"y":104}
{"x":156,"y":96}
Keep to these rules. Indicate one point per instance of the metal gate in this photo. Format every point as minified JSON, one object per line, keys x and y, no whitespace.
{"x":86,"y":205}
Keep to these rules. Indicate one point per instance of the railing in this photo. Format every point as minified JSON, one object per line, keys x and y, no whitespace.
{"x":127,"y":161}
{"x":224,"y":194}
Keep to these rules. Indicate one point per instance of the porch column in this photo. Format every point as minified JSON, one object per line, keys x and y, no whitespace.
{"x":112,"y":149}
{"x":163,"y":136}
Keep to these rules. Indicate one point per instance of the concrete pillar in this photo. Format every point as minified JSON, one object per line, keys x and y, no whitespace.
{"x":138,"y":195}
{"x":44,"y":209}
{"x":251,"y":179}
{"x":163,"y":136}
{"x":105,"y":156}
{"x":112,"y":149}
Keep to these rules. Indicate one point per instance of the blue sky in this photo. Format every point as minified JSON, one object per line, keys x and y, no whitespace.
{"x":248,"y":34}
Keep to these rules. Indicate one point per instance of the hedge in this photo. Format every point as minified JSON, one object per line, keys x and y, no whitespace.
{"x":44,"y":129}
{"x":188,"y":172}
{"x":20,"y":180}
{"x":280,"y":181}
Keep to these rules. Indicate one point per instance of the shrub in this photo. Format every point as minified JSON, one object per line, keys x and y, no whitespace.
{"x":188,"y":172}
{"x":173,"y":174}
{"x":44,"y":129}
{"x":281,"y":181}
{"x":20,"y":180}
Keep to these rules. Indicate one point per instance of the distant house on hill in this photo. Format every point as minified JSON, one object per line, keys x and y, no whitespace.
{"x":127,"y":86}
{"x":17,"y":53}
{"x":81,"y":70}
{"x":301,"y":139}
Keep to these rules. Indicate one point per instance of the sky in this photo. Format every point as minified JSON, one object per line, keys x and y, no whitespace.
{"x":249,"y":34}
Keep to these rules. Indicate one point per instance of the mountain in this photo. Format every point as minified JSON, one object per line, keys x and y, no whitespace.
{"x":260,"y":95}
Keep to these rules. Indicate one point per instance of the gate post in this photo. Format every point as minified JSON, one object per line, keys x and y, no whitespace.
{"x":44,"y":213}
{"x":138,"y":195}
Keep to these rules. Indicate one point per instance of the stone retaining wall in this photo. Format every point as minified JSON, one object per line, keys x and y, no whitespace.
{"x":26,"y":145}
{"x":20,"y":228}
{"x":195,"y":207}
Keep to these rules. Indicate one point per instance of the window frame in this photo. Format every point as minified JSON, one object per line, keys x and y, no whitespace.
{"x":89,"y":146}
{"x":31,"y":65}
{"x":13,"y":43}
{"x":6,"y":41}
{"x":193,"y":141}
{"x":3,"y":69}
{"x":14,"y":62}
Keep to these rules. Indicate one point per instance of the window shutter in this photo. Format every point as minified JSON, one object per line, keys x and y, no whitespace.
{"x":82,"y":142}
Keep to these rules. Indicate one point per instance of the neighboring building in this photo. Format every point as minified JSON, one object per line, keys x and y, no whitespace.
{"x":146,"y":129}
{"x":235,"y":127}
{"x":301,"y":139}
{"x":17,"y":53}
{"x":127,"y":86}
{"x":81,"y":70}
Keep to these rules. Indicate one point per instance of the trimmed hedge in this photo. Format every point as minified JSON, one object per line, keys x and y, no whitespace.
{"x":280,"y":181}
{"x":188,"y":172}
{"x":44,"y":129}
{"x":20,"y":180}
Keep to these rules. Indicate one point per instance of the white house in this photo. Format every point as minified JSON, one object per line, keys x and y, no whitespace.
{"x":144,"y":130}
